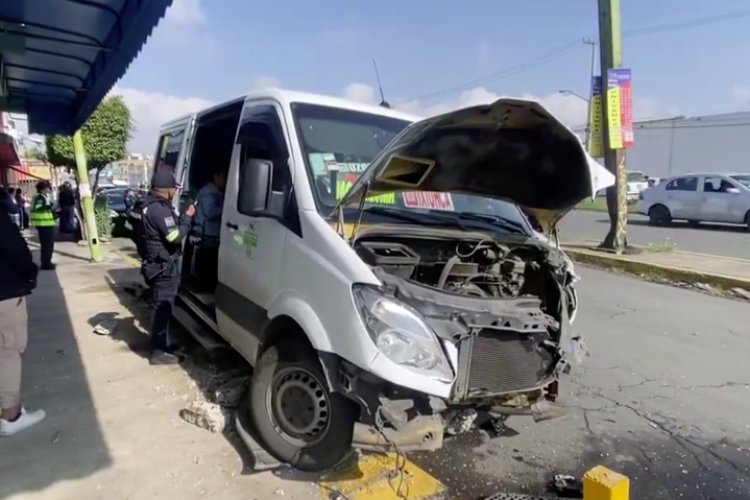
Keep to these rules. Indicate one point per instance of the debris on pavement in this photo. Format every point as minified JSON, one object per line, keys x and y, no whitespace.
{"x":207,"y":415}
{"x":566,"y":486}
{"x":460,"y":421}
{"x":705,"y":287}
{"x":106,"y":326}
{"x":741,"y":293}
{"x":229,"y":393}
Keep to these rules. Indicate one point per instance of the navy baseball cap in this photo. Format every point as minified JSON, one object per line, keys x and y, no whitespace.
{"x":164,"y":179}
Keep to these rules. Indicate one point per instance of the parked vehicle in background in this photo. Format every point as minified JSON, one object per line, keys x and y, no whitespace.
{"x":116,"y":201}
{"x":653,"y":181}
{"x":697,"y":198}
{"x":637,"y":182}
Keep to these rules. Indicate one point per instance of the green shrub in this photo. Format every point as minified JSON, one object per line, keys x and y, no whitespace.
{"x":103,"y":217}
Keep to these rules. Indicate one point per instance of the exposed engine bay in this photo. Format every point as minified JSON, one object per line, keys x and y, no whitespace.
{"x":483,"y":268}
{"x":504,"y":305}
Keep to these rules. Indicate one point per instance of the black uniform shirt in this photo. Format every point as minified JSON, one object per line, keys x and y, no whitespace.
{"x":163,"y":229}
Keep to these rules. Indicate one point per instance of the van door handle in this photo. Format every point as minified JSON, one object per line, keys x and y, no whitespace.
{"x":232,"y":225}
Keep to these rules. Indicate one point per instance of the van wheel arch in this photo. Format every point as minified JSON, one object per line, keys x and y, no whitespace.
{"x":284,"y":329}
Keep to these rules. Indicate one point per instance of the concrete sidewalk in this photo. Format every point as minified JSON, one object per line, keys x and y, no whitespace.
{"x":725,"y":273}
{"x":113,"y":428}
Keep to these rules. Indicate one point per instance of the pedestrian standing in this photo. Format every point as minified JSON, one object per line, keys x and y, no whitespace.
{"x":67,"y":201}
{"x":17,"y":279}
{"x":21,"y":202}
{"x":43,"y":219}
{"x":164,"y":232}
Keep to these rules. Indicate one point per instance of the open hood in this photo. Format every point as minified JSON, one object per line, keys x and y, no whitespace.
{"x":513,"y":149}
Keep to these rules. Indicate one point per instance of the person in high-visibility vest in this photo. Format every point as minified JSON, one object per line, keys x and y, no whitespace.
{"x":43,"y":219}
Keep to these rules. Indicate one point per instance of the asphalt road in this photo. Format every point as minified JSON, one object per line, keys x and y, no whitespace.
{"x":664,"y":397}
{"x":715,"y":239}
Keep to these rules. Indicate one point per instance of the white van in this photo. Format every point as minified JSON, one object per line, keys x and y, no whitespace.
{"x":380,"y":272}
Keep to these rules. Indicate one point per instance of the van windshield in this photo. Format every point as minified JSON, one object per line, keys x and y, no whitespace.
{"x":338,"y":145}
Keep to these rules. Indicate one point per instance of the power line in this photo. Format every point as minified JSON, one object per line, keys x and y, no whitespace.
{"x":554,"y":54}
{"x":637,"y":126}
{"x":692,"y":23}
{"x":509,"y":71}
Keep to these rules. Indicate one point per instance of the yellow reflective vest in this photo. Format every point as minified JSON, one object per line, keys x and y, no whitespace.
{"x":41,"y":211}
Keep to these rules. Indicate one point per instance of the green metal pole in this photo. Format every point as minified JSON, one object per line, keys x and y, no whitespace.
{"x":87,"y":203}
{"x":610,"y":42}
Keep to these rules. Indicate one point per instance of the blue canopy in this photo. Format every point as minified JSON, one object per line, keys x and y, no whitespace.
{"x":59,"y":58}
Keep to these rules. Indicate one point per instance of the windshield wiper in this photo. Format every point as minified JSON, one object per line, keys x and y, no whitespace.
{"x":494,"y":219}
{"x":417,"y":218}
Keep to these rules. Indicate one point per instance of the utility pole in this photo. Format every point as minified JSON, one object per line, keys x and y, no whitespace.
{"x":87,"y":203}
{"x":610,"y":43}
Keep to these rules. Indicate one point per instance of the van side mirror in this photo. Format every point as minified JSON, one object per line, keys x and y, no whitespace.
{"x":733,"y":190}
{"x":254,"y":186}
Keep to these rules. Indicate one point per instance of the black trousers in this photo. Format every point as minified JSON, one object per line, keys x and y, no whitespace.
{"x":163,"y":294}
{"x":47,"y":244}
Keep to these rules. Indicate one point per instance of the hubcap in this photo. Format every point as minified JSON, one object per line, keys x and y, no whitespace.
{"x":299,"y":406}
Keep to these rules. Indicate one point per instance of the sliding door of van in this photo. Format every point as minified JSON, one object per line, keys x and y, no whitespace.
{"x":252,"y":239}
{"x":173,"y":150}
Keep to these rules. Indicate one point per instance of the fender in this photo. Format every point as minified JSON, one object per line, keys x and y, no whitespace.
{"x":294,"y":305}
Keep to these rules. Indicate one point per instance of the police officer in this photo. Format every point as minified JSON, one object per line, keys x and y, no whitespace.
{"x":163,"y":232}
{"x":43,"y":219}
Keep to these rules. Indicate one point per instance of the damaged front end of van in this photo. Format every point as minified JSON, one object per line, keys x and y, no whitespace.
{"x":471,"y":326}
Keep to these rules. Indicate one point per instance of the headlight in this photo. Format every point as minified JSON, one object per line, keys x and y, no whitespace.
{"x":400,"y":333}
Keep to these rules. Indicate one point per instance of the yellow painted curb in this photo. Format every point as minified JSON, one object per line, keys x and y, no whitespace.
{"x":381,"y":477}
{"x":131,"y":261}
{"x":656,"y":270}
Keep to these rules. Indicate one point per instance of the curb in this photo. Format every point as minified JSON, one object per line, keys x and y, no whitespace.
{"x":726,"y":283}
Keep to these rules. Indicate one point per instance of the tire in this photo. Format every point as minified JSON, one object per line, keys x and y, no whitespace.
{"x":659,"y":215}
{"x":297,"y":419}
{"x":747,"y":221}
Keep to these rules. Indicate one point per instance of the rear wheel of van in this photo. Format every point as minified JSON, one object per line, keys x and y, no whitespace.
{"x":296,"y":417}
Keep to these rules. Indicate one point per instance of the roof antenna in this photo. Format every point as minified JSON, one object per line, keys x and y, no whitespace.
{"x":383,"y":102}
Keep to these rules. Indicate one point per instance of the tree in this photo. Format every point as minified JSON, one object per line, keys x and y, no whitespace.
{"x":34,"y":153}
{"x":105,"y":138}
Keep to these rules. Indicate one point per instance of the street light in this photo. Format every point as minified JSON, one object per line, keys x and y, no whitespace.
{"x":574,"y":94}
{"x":588,"y":114}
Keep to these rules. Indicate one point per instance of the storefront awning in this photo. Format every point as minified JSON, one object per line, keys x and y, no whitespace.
{"x":59,"y":58}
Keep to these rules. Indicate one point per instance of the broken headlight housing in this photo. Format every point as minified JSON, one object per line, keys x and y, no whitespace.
{"x":401,"y":333}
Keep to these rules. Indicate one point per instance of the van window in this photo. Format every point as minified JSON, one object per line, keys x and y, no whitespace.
{"x":168,"y":150}
{"x":683,"y":184}
{"x":261,"y":136}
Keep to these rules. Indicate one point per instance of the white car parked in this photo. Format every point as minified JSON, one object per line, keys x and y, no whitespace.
{"x":709,"y":197}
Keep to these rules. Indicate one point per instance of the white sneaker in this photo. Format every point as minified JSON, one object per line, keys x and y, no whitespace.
{"x":23,"y":422}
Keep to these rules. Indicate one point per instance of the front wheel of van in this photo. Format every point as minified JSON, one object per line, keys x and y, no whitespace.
{"x":296,"y":417}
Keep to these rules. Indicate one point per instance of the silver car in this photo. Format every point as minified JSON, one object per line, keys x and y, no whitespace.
{"x":708,"y":197}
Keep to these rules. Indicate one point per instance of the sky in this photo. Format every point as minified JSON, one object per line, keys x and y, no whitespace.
{"x":437,"y":55}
